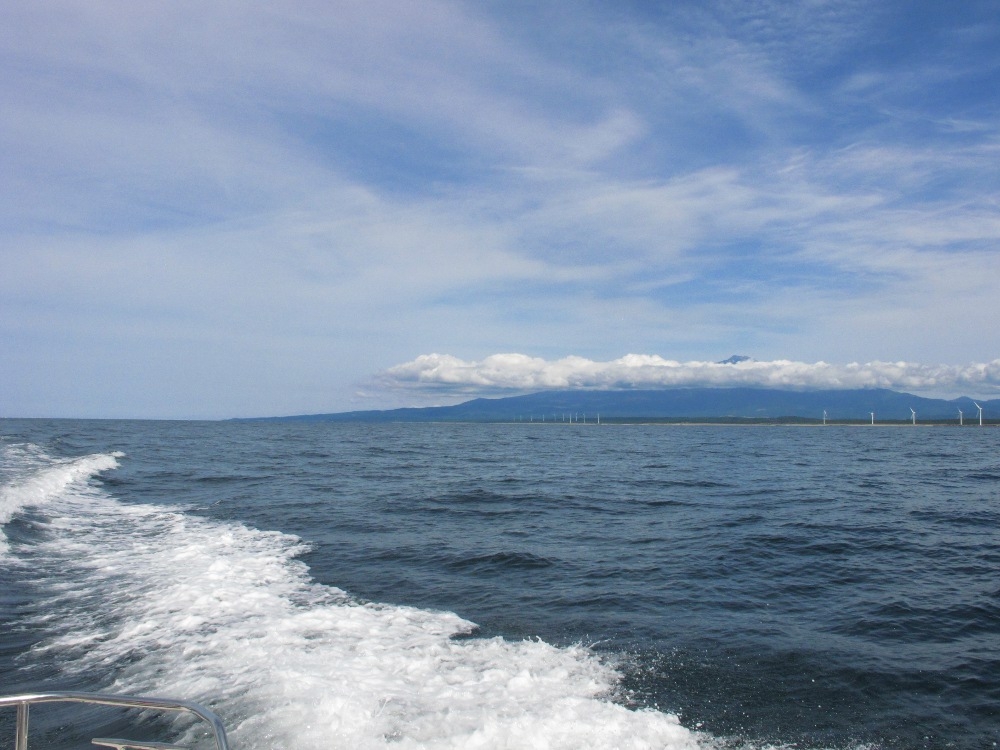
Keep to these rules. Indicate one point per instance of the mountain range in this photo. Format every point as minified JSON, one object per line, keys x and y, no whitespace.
{"x":683,"y":404}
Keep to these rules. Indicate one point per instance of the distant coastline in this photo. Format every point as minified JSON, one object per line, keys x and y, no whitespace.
{"x":762,"y":406}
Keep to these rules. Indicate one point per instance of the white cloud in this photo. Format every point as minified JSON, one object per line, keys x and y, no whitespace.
{"x":521,"y":373}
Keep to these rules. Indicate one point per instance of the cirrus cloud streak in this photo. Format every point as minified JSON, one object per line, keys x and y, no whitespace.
{"x":500,"y":373}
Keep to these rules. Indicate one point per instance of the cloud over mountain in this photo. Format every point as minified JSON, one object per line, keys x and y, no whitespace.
{"x":513,"y":372}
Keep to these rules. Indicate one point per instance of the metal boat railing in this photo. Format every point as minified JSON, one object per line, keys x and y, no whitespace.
{"x":23,"y":702}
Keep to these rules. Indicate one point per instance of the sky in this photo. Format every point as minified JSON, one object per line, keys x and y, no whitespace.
{"x":229,"y":209}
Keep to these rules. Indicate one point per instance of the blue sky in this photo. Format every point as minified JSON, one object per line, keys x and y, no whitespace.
{"x":231,"y":209}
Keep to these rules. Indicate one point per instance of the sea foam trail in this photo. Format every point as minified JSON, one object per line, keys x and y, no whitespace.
{"x":32,"y":478}
{"x":151,"y":600}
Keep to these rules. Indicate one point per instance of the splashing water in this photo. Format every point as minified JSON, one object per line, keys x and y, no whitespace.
{"x":157,"y":601}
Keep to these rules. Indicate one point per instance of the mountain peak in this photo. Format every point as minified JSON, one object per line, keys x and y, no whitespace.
{"x":735,"y":359}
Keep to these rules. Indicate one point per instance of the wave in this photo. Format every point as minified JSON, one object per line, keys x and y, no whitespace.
{"x":36,"y":479}
{"x":499,"y":562}
{"x":148,"y":599}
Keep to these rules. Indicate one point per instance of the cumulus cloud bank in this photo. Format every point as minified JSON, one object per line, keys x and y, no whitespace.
{"x":500,"y":373}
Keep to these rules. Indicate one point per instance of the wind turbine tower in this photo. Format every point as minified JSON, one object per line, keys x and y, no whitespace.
{"x":824,"y":416}
{"x":873,"y":416}
{"x":980,"y":413}
{"x":960,"y":422}
{"x":914,"y":415}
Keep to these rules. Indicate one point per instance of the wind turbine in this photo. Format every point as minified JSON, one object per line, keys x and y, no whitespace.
{"x":873,"y":416}
{"x":980,"y":413}
{"x":914,"y":415}
{"x":960,"y":422}
{"x":824,"y":416}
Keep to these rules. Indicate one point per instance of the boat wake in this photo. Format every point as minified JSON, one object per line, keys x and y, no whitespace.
{"x":145,"y":599}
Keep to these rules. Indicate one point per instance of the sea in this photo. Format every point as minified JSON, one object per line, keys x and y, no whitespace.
{"x":529,"y":585}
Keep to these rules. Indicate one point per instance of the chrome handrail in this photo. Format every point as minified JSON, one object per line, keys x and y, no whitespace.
{"x":22,"y":702}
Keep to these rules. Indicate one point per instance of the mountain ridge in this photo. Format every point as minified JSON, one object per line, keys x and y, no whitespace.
{"x":679,"y":404}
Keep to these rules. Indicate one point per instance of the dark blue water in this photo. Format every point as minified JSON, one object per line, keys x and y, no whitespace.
{"x":817,"y":587}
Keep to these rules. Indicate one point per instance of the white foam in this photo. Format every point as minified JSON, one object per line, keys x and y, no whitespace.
{"x":35,"y":478}
{"x":172,"y":604}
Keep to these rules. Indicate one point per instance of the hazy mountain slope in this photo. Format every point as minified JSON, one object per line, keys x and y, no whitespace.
{"x":682,"y":403}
